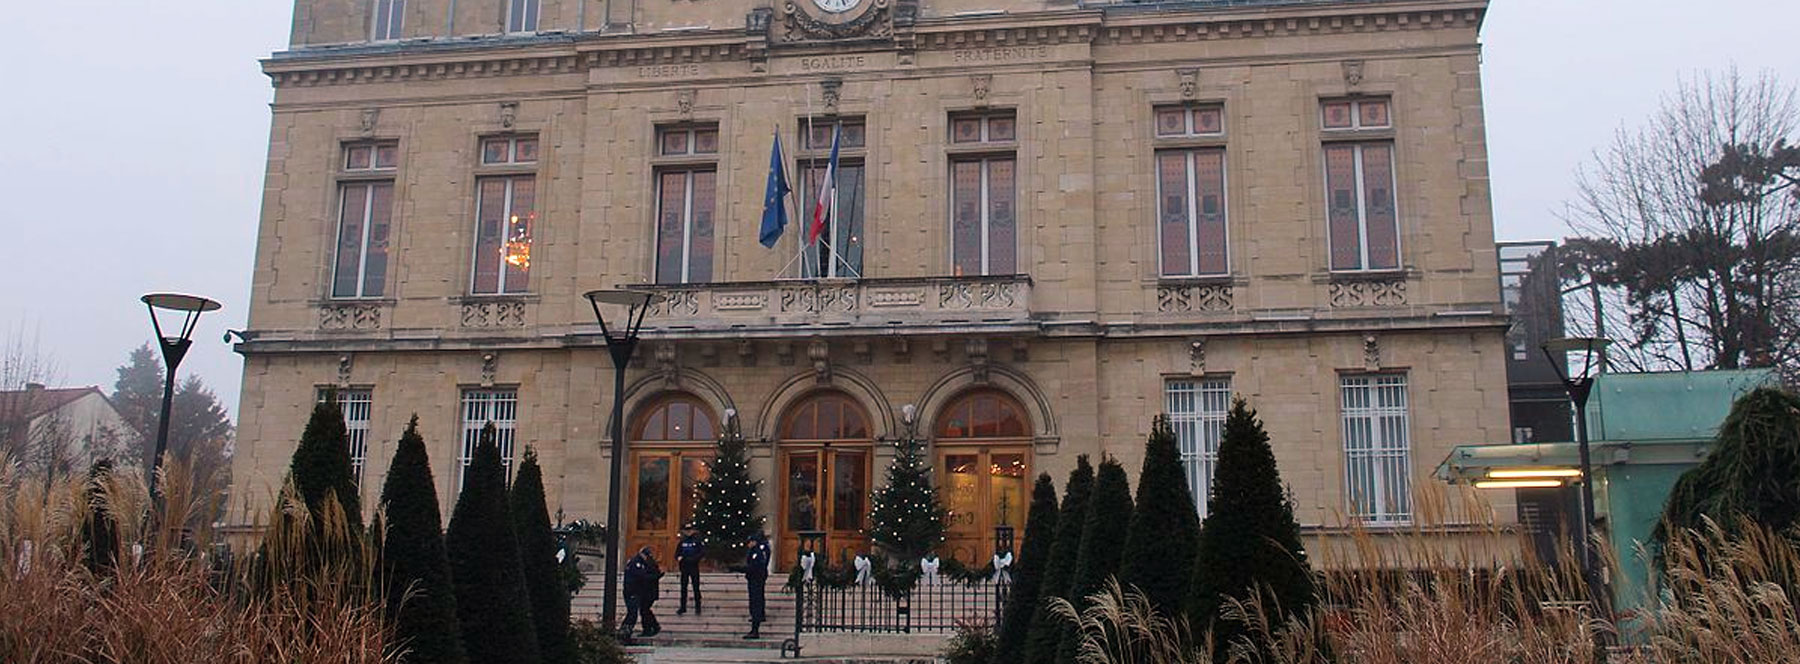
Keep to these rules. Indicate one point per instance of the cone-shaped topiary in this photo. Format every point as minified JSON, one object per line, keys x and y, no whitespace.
{"x":491,"y":601}
{"x":905,"y":517}
{"x":321,"y":464}
{"x":1250,"y":541}
{"x":725,"y":513}
{"x":1028,"y":574}
{"x":1165,"y":528}
{"x":1108,"y":517}
{"x":1046,"y":629}
{"x":414,"y":570}
{"x":537,"y":551}
{"x":1753,"y":471}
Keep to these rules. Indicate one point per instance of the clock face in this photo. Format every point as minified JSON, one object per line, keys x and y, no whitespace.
{"x":837,"y":6}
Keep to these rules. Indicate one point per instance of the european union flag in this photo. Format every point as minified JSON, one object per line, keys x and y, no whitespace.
{"x":775,"y":198}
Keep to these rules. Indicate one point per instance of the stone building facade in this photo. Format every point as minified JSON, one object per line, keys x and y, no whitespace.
{"x":1053,"y":221}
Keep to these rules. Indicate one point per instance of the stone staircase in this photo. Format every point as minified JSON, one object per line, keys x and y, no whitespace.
{"x":726,"y":615}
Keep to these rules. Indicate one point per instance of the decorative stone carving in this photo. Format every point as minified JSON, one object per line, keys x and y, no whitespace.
{"x":746,"y":352}
{"x":1182,"y":298}
{"x":818,"y":299}
{"x":350,"y":316}
{"x":902,"y":351}
{"x":941,"y":348}
{"x":757,"y":21}
{"x":1371,"y":352}
{"x":489,"y":364}
{"x":1353,"y":73}
{"x":500,"y":313}
{"x":369,"y":117}
{"x":985,"y":295}
{"x":819,"y":353}
{"x":831,"y":90}
{"x":344,"y":365}
{"x":784,"y":353}
{"x":896,"y":297}
{"x":684,"y":103}
{"x":1197,"y":357}
{"x":873,"y":23}
{"x":865,"y":351}
{"x":666,"y":366}
{"x":755,"y":301}
{"x":1190,"y":83}
{"x":979,"y":85}
{"x":976,"y":348}
{"x":677,"y":303}
{"x":509,"y":114}
{"x":1021,"y":351}
{"x":1368,"y":293}
{"x":709,"y":355}
{"x":906,"y":12}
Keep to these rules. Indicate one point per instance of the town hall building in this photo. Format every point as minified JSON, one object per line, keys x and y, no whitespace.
{"x":1050,"y":221}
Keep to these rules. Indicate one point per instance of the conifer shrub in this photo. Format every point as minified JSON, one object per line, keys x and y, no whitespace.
{"x":1028,"y":573}
{"x":492,"y":604}
{"x":537,"y":551}
{"x":414,"y":569}
{"x":1165,"y":528}
{"x":1108,"y":517}
{"x":1046,"y":630}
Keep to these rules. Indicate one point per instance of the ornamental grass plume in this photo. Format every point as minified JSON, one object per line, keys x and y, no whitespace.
{"x":163,"y":602}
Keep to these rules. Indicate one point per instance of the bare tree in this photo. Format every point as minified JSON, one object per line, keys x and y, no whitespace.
{"x":1690,"y":231}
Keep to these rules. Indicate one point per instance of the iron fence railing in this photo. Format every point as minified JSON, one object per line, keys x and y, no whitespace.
{"x":939,"y":606}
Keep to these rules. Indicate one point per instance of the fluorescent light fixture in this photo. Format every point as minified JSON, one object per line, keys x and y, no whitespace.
{"x":1531,"y":473}
{"x":1518,"y":484}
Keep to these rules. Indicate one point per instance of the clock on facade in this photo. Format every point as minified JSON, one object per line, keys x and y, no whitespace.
{"x":837,"y":6}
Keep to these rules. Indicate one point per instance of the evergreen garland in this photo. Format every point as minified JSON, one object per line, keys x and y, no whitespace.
{"x":1034,"y":554}
{"x":1108,"y":517}
{"x":905,"y":517}
{"x":1250,"y":541}
{"x":1165,"y":528}
{"x":726,"y":510}
{"x":492,"y":603}
{"x":414,"y":570}
{"x":537,"y":551}
{"x":1046,"y":629}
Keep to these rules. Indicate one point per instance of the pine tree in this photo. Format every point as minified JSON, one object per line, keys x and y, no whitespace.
{"x":492,"y":603}
{"x":1108,"y":518}
{"x":1165,"y":528}
{"x":905,"y":517}
{"x":1751,"y":472}
{"x":537,"y":548}
{"x":1250,"y":541}
{"x":414,"y":569}
{"x":1028,"y":574}
{"x":725,"y":513}
{"x":321,"y":464}
{"x":1046,"y":629}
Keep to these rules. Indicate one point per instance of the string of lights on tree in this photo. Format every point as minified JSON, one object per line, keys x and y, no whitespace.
{"x":725,"y":502}
{"x":906,"y":517}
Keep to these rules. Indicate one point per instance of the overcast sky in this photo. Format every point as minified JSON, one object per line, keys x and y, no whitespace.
{"x":137,"y":131}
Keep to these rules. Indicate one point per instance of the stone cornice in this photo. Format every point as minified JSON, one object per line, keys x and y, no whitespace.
{"x":571,"y":53}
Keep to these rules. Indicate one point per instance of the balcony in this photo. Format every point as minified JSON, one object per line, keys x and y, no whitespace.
{"x":943,"y":305}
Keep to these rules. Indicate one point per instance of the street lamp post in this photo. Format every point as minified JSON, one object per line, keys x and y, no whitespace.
{"x":174,"y":347}
{"x":1593,"y":351}
{"x":619,"y":344}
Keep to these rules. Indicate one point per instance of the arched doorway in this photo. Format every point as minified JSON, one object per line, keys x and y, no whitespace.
{"x":983,"y":447}
{"x":671,"y":443}
{"x":826,"y":452}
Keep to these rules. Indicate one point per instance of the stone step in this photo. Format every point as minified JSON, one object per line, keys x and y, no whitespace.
{"x":732,"y":640}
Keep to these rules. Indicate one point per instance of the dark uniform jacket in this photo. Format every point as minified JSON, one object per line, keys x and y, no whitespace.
{"x":689,"y":551}
{"x":641,"y":576}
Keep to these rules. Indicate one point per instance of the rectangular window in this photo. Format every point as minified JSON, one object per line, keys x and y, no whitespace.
{"x":1361,"y":216}
{"x":1190,"y":194}
{"x":522,"y":15}
{"x":365,"y":216}
{"x":387,"y":19}
{"x":1180,"y":121}
{"x":1377,"y":447}
{"x":1197,"y":410}
{"x":505,"y":215}
{"x":685,"y":197}
{"x":840,"y":250}
{"x":357,"y":405}
{"x":480,"y":407}
{"x":984,"y":232}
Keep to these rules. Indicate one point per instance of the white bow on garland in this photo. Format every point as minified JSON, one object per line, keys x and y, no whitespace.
{"x":929,"y":565}
{"x":1003,"y":567}
{"x":862,"y":570}
{"x":806,"y":567}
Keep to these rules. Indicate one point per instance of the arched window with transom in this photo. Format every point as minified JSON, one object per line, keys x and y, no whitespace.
{"x":982,"y":445}
{"x":671,"y":442}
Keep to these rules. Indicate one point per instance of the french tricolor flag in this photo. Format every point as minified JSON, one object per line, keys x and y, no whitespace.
{"x":824,"y":208}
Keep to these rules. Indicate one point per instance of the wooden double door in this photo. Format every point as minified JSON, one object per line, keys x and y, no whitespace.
{"x":825,"y":489}
{"x":982,"y":486}
{"x":660,"y":483}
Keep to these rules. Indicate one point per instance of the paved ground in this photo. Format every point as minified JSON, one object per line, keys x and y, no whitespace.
{"x":677,"y":655}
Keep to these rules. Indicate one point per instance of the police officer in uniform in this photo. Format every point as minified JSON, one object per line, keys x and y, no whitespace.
{"x":687,"y":557}
{"x":756,"y":573}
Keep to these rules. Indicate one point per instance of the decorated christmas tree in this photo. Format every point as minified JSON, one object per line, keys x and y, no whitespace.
{"x":905,"y":517}
{"x":725,"y":513}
